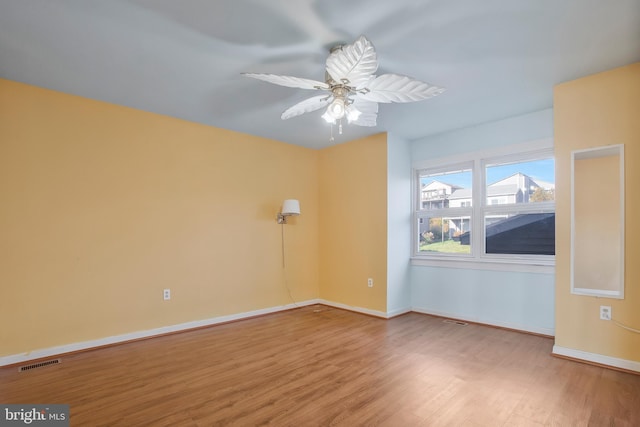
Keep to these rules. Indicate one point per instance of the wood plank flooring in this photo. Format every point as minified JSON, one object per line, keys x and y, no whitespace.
{"x":320,"y":366}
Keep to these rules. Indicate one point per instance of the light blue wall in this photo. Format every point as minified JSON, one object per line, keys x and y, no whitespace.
{"x":528,"y":127}
{"x":514,"y":300}
{"x":398,"y":225}
{"x":511,"y":299}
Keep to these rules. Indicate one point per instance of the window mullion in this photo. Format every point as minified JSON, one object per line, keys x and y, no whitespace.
{"x":520,"y":208}
{"x":477,"y":230}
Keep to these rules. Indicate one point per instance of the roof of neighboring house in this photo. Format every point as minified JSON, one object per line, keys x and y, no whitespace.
{"x":516,"y":221}
{"x":453,"y":186}
{"x":521,"y":234}
{"x":502,"y":190}
{"x":463,"y":193}
{"x":535,"y":182}
{"x":517,"y":174}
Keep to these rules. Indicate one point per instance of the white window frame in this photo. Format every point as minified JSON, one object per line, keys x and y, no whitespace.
{"x":478,"y":161}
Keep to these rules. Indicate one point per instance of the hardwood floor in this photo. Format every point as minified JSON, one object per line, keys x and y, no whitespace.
{"x":320,"y":366}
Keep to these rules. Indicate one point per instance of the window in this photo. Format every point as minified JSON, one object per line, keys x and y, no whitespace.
{"x":520,"y":214}
{"x":444,"y":210}
{"x":506,"y":197}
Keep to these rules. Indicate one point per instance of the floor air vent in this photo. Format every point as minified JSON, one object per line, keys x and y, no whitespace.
{"x":39,"y":365}
{"x":455,"y":322}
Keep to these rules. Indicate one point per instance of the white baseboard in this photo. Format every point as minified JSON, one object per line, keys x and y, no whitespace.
{"x":398,"y":312}
{"x":515,"y":326}
{"x":362,"y":310}
{"x":85,"y":345}
{"x":600,"y":359}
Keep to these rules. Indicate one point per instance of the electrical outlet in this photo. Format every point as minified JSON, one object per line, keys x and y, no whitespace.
{"x":166,"y":294}
{"x":605,"y":312}
{"x":370,"y":282}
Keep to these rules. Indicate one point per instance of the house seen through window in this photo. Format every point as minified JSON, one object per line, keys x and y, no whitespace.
{"x":513,"y":215}
{"x":445,"y":202}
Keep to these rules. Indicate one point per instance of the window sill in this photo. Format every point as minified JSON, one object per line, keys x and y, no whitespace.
{"x":496,"y":264}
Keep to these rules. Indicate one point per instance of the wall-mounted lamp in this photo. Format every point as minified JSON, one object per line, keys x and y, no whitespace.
{"x":289,"y":207}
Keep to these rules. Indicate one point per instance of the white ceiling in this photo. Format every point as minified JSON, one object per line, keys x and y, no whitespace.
{"x":497,"y":58}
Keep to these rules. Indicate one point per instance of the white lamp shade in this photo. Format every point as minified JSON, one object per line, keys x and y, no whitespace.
{"x":291,"y":207}
{"x":337,"y":108}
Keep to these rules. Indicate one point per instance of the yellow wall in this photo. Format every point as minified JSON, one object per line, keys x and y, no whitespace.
{"x":597,"y":110}
{"x":103,"y":206}
{"x":353,"y":222}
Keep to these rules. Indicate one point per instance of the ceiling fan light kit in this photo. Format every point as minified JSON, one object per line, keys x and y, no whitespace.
{"x":353,"y":91}
{"x":336,"y":109}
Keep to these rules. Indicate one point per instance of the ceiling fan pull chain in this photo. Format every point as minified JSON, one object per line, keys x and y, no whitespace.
{"x":340,"y":127}
{"x":332,"y":138}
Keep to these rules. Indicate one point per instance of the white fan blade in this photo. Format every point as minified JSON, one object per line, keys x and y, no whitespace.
{"x":397,"y":88}
{"x":303,"y":17}
{"x":289,"y":81}
{"x":306,"y":106}
{"x":353,"y":63}
{"x":368,"y":112}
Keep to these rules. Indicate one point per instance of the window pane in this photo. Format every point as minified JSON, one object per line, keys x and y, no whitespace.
{"x":513,"y":233}
{"x":445,"y":190}
{"x":522,"y":182}
{"x":445,"y":234}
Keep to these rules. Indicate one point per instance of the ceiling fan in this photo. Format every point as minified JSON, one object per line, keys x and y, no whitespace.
{"x":352,"y":90}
